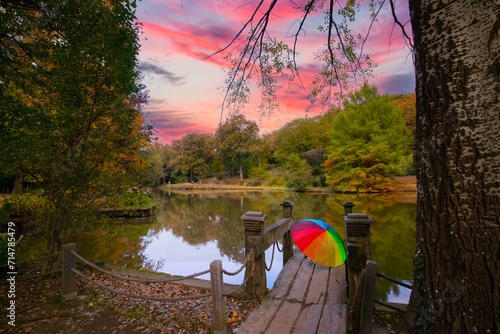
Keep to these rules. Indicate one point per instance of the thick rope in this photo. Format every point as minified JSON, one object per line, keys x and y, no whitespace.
{"x":272,"y":259}
{"x":277,"y":246}
{"x":119,"y":292}
{"x":248,"y":259}
{"x":238,"y":288}
{"x":142,"y":280}
{"x":393,"y":280}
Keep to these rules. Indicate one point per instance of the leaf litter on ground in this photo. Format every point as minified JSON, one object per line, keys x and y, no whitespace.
{"x":40,"y":307}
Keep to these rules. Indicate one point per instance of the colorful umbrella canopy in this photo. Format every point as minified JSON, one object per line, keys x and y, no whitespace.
{"x":319,"y":241}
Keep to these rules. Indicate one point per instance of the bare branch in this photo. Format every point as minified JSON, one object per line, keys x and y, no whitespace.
{"x":407,"y":38}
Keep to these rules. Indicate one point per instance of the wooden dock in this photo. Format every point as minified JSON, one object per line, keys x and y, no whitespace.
{"x":306,"y":298}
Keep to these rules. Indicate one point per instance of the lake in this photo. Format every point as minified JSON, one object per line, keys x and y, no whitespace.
{"x":192,"y":229}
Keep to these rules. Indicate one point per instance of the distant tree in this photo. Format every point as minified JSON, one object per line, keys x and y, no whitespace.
{"x":407,"y":103}
{"x":297,"y":173}
{"x":192,"y":155}
{"x":368,"y":144}
{"x":237,"y":139}
{"x":70,"y":119}
{"x":156,"y":159}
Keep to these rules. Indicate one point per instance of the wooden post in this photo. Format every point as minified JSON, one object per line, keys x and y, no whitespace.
{"x":354,"y":310}
{"x":357,"y":229}
{"x":216,"y":281}
{"x":354,"y":263}
{"x":254,"y":226}
{"x":287,"y":237}
{"x":68,"y":276}
{"x":367,"y":303}
{"x":348,"y":207}
{"x":347,"y":210}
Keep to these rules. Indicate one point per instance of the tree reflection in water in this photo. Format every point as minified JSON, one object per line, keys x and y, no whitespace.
{"x":193,"y":229}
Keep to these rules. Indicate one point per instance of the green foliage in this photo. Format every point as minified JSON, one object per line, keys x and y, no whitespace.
{"x":129,"y":200}
{"x":368,"y":144}
{"x":22,"y":206}
{"x":191,"y":156}
{"x":259,"y":172}
{"x":297,"y":173}
{"x":237,"y":139}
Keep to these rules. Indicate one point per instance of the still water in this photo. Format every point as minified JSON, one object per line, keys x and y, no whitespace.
{"x":192,"y":229}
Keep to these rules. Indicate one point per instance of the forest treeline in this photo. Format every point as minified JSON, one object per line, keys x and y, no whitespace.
{"x":359,"y":148}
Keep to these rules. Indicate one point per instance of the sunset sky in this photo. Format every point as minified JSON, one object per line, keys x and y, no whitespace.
{"x":185,"y":90}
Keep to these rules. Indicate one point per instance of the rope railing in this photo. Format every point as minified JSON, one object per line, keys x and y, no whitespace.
{"x":123,"y":293}
{"x":70,"y":257}
{"x":395,"y":281}
{"x":133,"y":279}
{"x":249,"y":258}
{"x":275,"y":245}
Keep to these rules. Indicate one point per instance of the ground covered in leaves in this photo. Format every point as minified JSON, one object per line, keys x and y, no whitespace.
{"x":40,"y":308}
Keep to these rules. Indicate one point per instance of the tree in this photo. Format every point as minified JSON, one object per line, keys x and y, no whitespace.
{"x":237,"y":138}
{"x":156,"y":159}
{"x":192,"y":155}
{"x":456,"y":49}
{"x":368,"y":144}
{"x":458,"y":164}
{"x":70,"y":119}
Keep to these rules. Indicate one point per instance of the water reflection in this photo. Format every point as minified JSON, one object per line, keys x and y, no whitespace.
{"x":191,"y":230}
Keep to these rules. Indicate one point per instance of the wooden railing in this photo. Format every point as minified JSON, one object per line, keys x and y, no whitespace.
{"x":361,"y":272}
{"x":258,"y":239}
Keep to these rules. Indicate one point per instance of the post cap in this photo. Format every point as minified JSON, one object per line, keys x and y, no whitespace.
{"x":359,"y":218}
{"x":287,"y":204}
{"x":255,"y":216}
{"x":348,"y":204}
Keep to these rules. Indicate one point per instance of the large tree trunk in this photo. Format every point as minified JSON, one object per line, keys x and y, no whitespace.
{"x":457,"y":278}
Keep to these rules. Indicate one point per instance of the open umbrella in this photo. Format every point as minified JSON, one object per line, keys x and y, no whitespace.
{"x":319,"y":241}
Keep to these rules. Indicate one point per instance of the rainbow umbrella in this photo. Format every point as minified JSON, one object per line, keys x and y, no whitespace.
{"x":319,"y":241}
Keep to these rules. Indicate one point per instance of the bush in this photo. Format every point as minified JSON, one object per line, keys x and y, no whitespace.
{"x":129,"y":200}
{"x":21,"y":206}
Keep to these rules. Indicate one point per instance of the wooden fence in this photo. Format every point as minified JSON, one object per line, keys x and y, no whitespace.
{"x":361,"y":272}
{"x":258,"y":240}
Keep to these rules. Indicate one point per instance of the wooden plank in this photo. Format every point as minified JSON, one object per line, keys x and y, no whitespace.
{"x":318,"y":285}
{"x":333,"y":319}
{"x":336,"y":286}
{"x":301,"y":282}
{"x":258,"y":320}
{"x":285,"y":318}
{"x":308,"y":320}
{"x":286,"y":277}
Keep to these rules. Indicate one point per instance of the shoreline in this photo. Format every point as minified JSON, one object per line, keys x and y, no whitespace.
{"x":405,"y":185}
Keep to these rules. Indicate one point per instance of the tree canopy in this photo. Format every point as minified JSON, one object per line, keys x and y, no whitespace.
{"x":368,"y":144}
{"x":237,"y":138}
{"x":70,"y":118}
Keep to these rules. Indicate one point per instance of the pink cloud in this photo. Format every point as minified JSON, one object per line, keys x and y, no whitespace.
{"x":176,"y":30}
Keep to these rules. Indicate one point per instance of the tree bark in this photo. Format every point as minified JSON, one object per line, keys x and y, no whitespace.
{"x":457,"y":57}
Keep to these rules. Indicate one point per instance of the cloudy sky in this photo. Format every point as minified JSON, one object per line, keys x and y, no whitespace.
{"x":185,"y":89}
